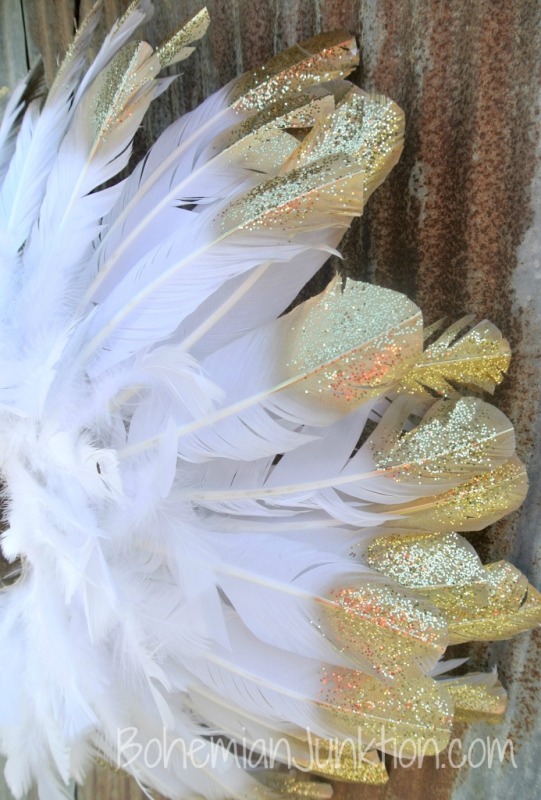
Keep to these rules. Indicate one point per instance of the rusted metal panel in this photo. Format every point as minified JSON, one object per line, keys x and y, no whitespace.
{"x":456,"y":227}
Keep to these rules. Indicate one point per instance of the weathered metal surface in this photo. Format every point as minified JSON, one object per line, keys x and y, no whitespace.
{"x":456,"y":227}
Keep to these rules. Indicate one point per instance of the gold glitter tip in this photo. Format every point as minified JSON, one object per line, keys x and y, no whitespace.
{"x":470,"y":506}
{"x":264,"y":150}
{"x":298,"y":111}
{"x":513,"y":606}
{"x":293,"y":784}
{"x":408,"y":715}
{"x":426,"y":560}
{"x":343,"y":761}
{"x":443,"y":569}
{"x":177,"y":48}
{"x":477,"y":696}
{"x":368,"y":128}
{"x":393,"y":631}
{"x":143,"y":7}
{"x":478,"y":358}
{"x":318,"y":60}
{"x":265,"y":140}
{"x":76,"y":47}
{"x":455,"y":601}
{"x":250,"y":141}
{"x":381,"y":145}
{"x":453,"y":440}
{"x":308,"y":198}
{"x":351,"y":344}
{"x":122,"y":93}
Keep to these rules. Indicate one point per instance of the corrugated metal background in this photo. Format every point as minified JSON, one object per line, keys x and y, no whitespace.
{"x":457,"y":227}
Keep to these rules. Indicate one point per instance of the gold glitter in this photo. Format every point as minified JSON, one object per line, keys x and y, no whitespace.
{"x":496,"y":604}
{"x":478,"y":603}
{"x":293,"y":784}
{"x":415,"y":713}
{"x":76,"y":46}
{"x":477,"y":696}
{"x":381,"y":144}
{"x":426,"y":560}
{"x":176,"y":48}
{"x":301,"y":110}
{"x":352,"y":343}
{"x":369,"y":129}
{"x":396,"y":633}
{"x":298,"y":111}
{"x":513,"y":606}
{"x":455,"y":601}
{"x":478,"y":358}
{"x":304,"y":110}
{"x":128,"y":12}
{"x":120,"y":88}
{"x":318,"y":60}
{"x":265,"y":140}
{"x":264,"y":150}
{"x":342,"y":761}
{"x":454,"y":438}
{"x":305,"y":198}
{"x":471,"y":505}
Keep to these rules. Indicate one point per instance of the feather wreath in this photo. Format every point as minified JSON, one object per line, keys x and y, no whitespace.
{"x":228,"y":524}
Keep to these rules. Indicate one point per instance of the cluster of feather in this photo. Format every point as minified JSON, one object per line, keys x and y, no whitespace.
{"x":227,"y":523}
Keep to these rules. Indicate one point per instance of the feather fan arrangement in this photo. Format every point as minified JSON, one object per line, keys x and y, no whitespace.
{"x":229,"y":523}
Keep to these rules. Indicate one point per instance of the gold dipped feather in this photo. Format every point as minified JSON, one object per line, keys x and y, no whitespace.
{"x":443,"y":569}
{"x":406,"y":715}
{"x":76,"y":50}
{"x":344,"y":761}
{"x":333,"y":757}
{"x":301,"y":110}
{"x":471,"y":505}
{"x":122,"y":91}
{"x":291,"y":785}
{"x":513,"y":606}
{"x":302,"y":198}
{"x":478,"y":358}
{"x":425,"y":560}
{"x":398,"y":632}
{"x":321,"y":59}
{"x":477,"y":696}
{"x":478,"y":603}
{"x":352,"y":343}
{"x":453,"y":439}
{"x":177,"y":47}
{"x":268,"y":137}
{"x":369,"y":128}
